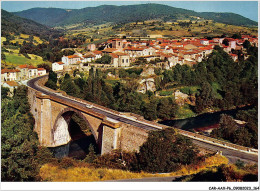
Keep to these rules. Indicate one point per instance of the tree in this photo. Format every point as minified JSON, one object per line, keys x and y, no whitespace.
{"x":19,"y":143}
{"x":91,"y":154}
{"x":4,"y":92}
{"x":45,"y":66}
{"x":246,"y":44}
{"x":150,"y":111}
{"x":106,"y":59}
{"x":165,"y":151}
{"x":225,"y":42}
{"x":69,"y":86}
{"x":205,"y":98}
{"x":52,"y":80}
{"x":3,"y":57}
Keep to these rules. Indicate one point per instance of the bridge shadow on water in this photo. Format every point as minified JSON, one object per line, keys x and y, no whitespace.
{"x":78,"y":147}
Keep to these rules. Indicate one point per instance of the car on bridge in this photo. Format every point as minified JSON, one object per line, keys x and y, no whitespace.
{"x":89,"y":106}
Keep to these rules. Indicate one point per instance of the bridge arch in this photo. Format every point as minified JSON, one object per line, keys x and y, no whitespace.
{"x":61,"y":129}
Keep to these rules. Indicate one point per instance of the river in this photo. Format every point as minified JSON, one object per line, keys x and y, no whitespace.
{"x":202,"y":122}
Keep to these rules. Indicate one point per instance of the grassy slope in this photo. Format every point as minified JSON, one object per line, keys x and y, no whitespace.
{"x":15,"y":59}
{"x":82,"y":173}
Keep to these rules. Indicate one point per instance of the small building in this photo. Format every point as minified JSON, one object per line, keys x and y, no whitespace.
{"x":97,"y":54}
{"x":57,"y":66}
{"x":72,"y":59}
{"x":32,"y":71}
{"x":11,"y":85}
{"x":10,"y":75}
{"x":91,"y":47}
{"x":24,"y":71}
{"x":41,"y":71}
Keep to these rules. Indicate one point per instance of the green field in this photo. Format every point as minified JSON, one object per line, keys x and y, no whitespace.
{"x":165,"y":92}
{"x":185,"y":112}
{"x":190,"y":89}
{"x":111,"y":82}
{"x":216,"y":88}
{"x":16,"y":59}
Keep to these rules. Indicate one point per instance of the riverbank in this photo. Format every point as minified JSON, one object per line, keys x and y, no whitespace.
{"x":204,"y":120}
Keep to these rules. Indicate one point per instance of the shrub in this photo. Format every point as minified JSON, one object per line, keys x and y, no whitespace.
{"x":165,"y":151}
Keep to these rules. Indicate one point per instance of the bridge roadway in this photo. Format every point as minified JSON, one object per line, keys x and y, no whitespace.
{"x":111,"y":115}
{"x":230,"y":153}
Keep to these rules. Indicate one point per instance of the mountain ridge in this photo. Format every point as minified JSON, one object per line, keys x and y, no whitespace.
{"x":11,"y":23}
{"x":54,"y":17}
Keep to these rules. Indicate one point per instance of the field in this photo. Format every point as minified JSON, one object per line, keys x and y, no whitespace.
{"x":2,"y":40}
{"x":185,"y":112}
{"x":14,"y":59}
{"x":24,"y":37}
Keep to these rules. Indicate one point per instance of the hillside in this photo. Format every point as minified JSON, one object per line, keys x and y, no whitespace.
{"x":11,"y":23}
{"x":124,"y":14}
{"x":228,"y":18}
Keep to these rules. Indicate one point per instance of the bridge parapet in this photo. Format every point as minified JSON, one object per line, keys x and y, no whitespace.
{"x":217,"y":141}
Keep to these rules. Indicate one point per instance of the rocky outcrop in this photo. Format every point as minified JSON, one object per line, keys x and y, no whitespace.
{"x":146,"y":85}
{"x":147,"y":72}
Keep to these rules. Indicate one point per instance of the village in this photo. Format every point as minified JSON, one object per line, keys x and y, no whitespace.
{"x":161,"y":53}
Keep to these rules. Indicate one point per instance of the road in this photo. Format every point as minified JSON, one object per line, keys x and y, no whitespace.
{"x":232,"y":154}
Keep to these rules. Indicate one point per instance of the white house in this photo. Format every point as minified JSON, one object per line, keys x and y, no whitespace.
{"x":32,"y":71}
{"x":204,"y":41}
{"x":56,"y":66}
{"x":10,"y":75}
{"x":72,"y":59}
{"x":88,"y":58}
{"x":41,"y":71}
{"x":149,"y":51}
{"x":97,"y":54}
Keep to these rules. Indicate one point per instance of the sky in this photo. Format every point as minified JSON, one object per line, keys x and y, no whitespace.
{"x":247,"y":9}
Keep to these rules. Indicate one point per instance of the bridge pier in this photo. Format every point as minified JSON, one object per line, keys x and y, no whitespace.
{"x":110,"y":135}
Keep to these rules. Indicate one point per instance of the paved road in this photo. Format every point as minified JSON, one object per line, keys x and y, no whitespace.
{"x":233,"y":155}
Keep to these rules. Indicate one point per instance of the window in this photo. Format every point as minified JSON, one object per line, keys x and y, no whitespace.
{"x":122,"y":60}
{"x":126,"y":61}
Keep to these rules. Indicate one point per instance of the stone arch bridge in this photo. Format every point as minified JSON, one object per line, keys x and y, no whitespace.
{"x":53,"y":110}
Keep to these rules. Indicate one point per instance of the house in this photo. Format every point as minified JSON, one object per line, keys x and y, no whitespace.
{"x":91,"y":47}
{"x":204,"y":41}
{"x":24,"y":71}
{"x":148,"y":51}
{"x":118,"y":43}
{"x":134,"y":51}
{"x":11,"y":85}
{"x":109,"y":50}
{"x":57,"y":66}
{"x":41,"y":71}
{"x":234,"y":57}
{"x":114,"y":60}
{"x":88,"y":58}
{"x":72,"y":59}
{"x":10,"y":75}
{"x":120,"y":59}
{"x":32,"y":71}
{"x":97,"y":54}
{"x":123,"y":59}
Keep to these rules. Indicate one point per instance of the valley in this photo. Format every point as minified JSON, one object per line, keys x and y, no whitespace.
{"x":142,"y":64}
